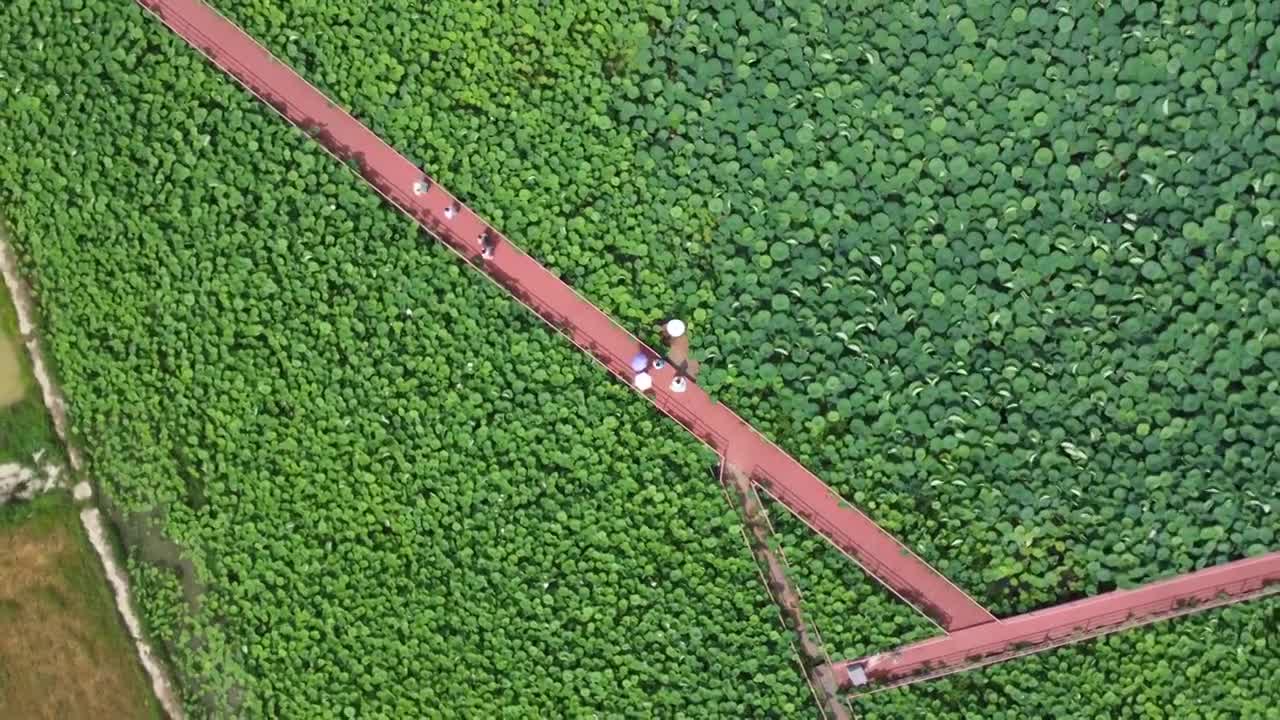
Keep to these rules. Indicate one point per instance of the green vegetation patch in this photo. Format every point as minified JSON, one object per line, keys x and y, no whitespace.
{"x":403,"y":495}
{"x":854,"y":614}
{"x":511,"y":108}
{"x":1005,"y":276}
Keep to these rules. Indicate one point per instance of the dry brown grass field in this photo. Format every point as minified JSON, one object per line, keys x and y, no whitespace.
{"x":64,"y":653}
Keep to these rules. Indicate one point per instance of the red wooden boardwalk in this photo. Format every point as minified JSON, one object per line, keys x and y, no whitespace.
{"x":1065,"y":624}
{"x":976,"y":637}
{"x":442,"y":215}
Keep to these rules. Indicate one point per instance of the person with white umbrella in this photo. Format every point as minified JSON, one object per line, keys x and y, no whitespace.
{"x":675,"y":333}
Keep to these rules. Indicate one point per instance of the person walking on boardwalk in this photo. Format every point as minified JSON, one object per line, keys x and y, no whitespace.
{"x":675,"y":333}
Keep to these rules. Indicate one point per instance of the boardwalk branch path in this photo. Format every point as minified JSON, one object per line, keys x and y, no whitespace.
{"x":975,"y":637}
{"x":1065,"y":624}
{"x":457,"y":226}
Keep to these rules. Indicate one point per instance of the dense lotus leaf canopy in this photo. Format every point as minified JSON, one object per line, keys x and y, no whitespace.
{"x":1003,"y":274}
{"x":400,"y":494}
{"x":1032,"y":248}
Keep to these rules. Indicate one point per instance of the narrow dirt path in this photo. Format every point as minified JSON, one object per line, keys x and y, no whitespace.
{"x":90,"y":517}
{"x":25,"y":304}
{"x":813,"y":657}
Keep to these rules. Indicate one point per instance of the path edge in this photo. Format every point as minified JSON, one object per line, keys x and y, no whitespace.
{"x":24,"y":303}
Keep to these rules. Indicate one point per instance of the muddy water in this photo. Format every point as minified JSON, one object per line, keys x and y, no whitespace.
{"x":91,"y":518}
{"x":141,"y":533}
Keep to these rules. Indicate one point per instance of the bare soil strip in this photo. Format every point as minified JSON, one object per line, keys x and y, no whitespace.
{"x":63,"y":653}
{"x":91,"y":518}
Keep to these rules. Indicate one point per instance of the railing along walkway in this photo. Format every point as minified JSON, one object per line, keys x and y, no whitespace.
{"x":408,"y":188}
